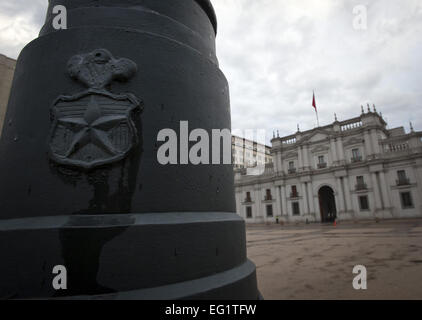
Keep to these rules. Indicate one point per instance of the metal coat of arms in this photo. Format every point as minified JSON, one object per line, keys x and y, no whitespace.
{"x":94,"y":127}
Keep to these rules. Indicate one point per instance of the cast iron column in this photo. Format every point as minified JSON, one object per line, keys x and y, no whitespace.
{"x":80,"y":183}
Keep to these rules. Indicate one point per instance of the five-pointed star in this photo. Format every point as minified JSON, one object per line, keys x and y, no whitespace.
{"x":92,"y":128}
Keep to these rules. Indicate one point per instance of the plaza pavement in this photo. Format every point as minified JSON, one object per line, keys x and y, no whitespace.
{"x":316,"y":261}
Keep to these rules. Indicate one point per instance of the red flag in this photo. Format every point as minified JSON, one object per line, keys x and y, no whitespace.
{"x":314,"y":103}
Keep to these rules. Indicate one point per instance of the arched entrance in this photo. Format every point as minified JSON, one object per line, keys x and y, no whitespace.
{"x":327,"y":204}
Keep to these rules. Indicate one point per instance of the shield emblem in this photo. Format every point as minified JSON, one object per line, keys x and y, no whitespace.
{"x":93,"y":128}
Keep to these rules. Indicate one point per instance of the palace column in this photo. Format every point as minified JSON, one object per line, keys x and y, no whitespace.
{"x":347,"y":194}
{"x":377,"y":195}
{"x":315,"y":200}
{"x":306,"y":157}
{"x":333,"y":150}
{"x":281,"y":164}
{"x":417,"y":169}
{"x":368,"y":143}
{"x":277,"y":201}
{"x":311,"y":198}
{"x":305,"y":199}
{"x":375,"y":144}
{"x":258,"y":203}
{"x":284,"y":200}
{"x":300,"y":158}
{"x":340,"y":149}
{"x":340,"y":196}
{"x":384,"y":190}
{"x":275,"y":161}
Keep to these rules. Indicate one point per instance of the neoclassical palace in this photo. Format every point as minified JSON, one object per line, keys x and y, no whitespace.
{"x":353,"y":169}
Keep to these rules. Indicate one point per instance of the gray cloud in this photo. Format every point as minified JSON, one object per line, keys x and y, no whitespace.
{"x":20,"y":22}
{"x":275,"y":52}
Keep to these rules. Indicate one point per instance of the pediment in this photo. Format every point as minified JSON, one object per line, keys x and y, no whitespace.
{"x":291,"y":155}
{"x":320,"y":148}
{"x":352,"y":141}
{"x":317,"y":135}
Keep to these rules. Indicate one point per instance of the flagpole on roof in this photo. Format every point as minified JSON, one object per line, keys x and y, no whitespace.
{"x":315,"y":107}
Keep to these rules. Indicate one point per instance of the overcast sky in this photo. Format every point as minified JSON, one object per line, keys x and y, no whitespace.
{"x":276,"y":52}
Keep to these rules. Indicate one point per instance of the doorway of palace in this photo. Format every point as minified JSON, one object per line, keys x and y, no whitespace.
{"x":327,"y":204}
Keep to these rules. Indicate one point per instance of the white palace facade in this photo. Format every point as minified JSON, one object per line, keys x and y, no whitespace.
{"x":354,"y":169}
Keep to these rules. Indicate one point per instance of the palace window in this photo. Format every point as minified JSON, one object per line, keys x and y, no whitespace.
{"x":268,"y":196}
{"x":249,"y":212}
{"x":356,"y":155}
{"x":363,"y":203}
{"x":292,"y":168}
{"x":294,"y":193}
{"x":403,"y":180}
{"x":295,"y":208}
{"x":248,"y":197}
{"x":321,"y":162}
{"x":269,"y":210}
{"x":360,"y":183}
{"x":406,"y":200}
